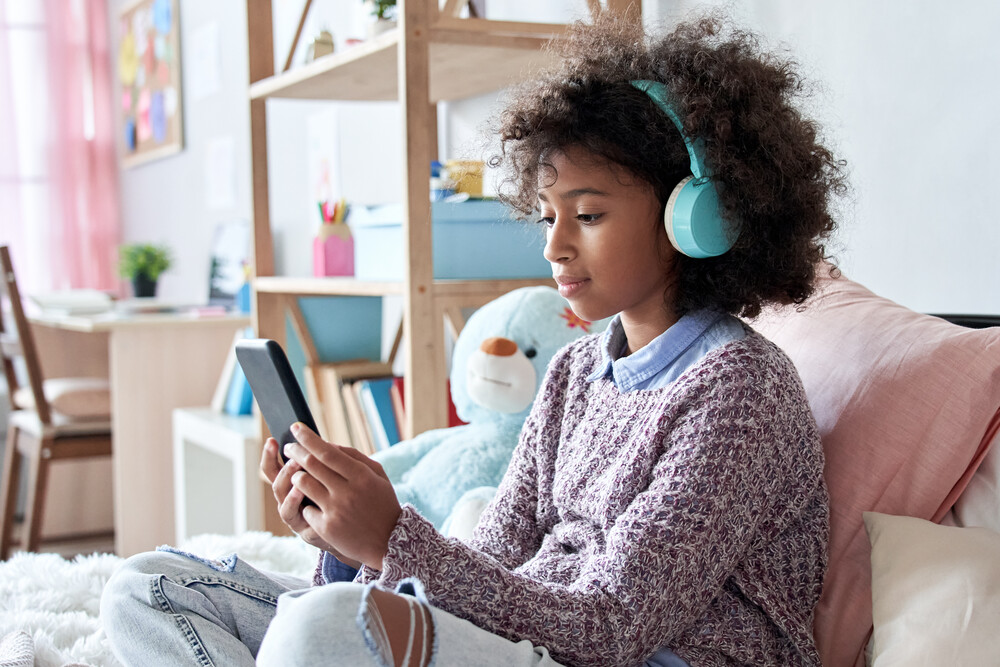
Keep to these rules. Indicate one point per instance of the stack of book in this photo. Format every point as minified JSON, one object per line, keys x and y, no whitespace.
{"x":334,"y":393}
{"x":360,"y":404}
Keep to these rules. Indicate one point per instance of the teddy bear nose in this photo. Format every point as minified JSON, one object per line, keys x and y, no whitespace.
{"x":498,"y":347}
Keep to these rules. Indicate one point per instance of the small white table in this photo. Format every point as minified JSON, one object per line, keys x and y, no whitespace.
{"x":217,"y":488}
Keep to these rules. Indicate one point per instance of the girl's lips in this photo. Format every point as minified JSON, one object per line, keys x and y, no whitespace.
{"x":570,"y":285}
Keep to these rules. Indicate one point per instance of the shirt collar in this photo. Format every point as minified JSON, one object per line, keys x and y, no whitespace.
{"x":629,"y":371}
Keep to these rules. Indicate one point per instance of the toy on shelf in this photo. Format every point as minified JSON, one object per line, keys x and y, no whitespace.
{"x":322,"y":45}
{"x":466,"y":177}
{"x":498,"y":364}
{"x":333,"y":247}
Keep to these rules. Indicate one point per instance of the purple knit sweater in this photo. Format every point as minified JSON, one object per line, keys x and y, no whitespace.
{"x":693,"y":517}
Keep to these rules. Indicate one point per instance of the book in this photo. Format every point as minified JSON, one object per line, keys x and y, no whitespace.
{"x":239,"y":400}
{"x":226,"y":378}
{"x":376,"y":404}
{"x":398,"y":411}
{"x":355,"y":417}
{"x":325,"y":395}
{"x":238,"y":396}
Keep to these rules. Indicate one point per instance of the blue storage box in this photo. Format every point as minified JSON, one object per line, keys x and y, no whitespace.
{"x":475,"y":239}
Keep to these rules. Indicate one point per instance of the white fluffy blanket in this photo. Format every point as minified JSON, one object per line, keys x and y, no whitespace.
{"x":56,"y":601}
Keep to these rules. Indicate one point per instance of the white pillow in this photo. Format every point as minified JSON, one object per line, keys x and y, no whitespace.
{"x":979,"y":504}
{"x":935,"y":592}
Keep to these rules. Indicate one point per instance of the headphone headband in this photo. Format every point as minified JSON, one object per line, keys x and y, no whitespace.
{"x":695,"y":148}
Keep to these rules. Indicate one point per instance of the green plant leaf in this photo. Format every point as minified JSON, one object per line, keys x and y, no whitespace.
{"x":143,"y":259}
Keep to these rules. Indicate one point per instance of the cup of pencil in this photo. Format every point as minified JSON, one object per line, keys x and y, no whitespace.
{"x":333,"y":247}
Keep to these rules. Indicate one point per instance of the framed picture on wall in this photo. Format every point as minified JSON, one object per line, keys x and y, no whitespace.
{"x":149,"y":70}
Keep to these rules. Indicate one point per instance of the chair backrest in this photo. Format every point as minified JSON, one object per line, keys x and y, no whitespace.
{"x":10,"y":348}
{"x":24,"y":346}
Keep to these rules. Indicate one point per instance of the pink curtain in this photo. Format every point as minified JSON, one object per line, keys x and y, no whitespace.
{"x":58,"y":168}
{"x":82,"y":155}
{"x":10,"y":171}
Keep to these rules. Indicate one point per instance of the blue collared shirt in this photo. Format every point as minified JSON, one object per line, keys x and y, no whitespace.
{"x":668,"y":355}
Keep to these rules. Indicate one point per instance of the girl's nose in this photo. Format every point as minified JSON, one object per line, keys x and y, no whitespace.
{"x":558,"y":245}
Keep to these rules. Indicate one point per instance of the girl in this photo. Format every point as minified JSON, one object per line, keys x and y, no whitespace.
{"x":666,"y":503}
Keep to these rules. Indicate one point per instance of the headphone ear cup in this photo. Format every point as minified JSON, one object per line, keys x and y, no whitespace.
{"x":693,"y":222}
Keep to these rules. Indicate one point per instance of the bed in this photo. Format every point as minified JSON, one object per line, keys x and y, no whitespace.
{"x":908,"y":407}
{"x":49,"y":605}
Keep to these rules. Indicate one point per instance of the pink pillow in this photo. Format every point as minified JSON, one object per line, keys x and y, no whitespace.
{"x":907,"y":405}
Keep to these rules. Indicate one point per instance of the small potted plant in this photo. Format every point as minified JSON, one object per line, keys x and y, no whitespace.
{"x":142,"y":263}
{"x":384,"y":12}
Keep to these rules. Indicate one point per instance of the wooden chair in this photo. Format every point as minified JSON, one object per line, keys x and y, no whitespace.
{"x":51,"y":420}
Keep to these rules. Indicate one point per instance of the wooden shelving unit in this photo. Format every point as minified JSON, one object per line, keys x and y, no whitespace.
{"x":431,"y":56}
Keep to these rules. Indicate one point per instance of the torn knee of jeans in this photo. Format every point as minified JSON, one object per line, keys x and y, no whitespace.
{"x":373,"y":629}
{"x":227,"y":564}
{"x":420,"y":633}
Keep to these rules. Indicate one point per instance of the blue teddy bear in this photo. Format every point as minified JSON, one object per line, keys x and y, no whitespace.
{"x":498,"y":364}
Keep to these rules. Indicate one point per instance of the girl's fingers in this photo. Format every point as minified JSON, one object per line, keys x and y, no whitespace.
{"x":293,"y":500}
{"x":330,"y":464}
{"x":270,"y":459}
{"x":307,"y":486}
{"x":290,"y":509}
{"x":368,"y":461}
{"x":282,"y":484}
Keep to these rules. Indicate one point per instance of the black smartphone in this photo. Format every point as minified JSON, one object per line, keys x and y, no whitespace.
{"x":274,"y":386}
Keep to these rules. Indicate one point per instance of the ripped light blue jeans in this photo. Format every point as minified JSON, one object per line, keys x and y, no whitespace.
{"x":168,"y":608}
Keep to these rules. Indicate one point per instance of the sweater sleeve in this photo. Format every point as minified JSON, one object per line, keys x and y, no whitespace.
{"x":668,"y":551}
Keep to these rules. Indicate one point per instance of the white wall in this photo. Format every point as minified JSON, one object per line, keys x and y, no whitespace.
{"x":910,"y":102}
{"x":907,"y":99}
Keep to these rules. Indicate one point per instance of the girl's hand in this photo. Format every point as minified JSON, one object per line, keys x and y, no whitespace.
{"x":290,"y":499}
{"x":356,"y":507}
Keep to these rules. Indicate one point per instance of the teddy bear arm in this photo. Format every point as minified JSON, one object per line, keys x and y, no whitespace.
{"x":404,"y":456}
{"x":476,"y":456}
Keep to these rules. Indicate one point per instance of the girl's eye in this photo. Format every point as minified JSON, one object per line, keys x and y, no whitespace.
{"x":588,"y":218}
{"x":548,"y":222}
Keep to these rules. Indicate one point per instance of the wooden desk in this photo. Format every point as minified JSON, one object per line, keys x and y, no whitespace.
{"x":157,"y":362}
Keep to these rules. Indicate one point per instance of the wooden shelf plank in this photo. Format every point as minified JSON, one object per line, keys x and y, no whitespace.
{"x":459,"y":70}
{"x":366,"y":71}
{"x":499,"y":28}
{"x":325,"y":286}
{"x":352,"y":287}
{"x":492,"y":288}
{"x":463,"y":62}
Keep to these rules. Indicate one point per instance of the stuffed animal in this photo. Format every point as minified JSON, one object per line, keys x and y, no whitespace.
{"x":498,"y":364}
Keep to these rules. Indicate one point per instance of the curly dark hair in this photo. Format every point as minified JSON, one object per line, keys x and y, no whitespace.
{"x":774,"y":178}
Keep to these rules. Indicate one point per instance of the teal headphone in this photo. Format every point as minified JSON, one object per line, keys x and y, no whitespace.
{"x":692,"y":217}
